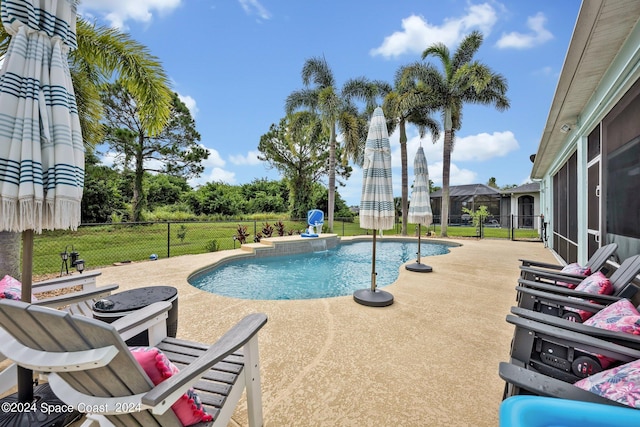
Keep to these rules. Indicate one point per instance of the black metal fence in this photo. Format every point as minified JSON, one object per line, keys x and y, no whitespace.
{"x":106,"y":244}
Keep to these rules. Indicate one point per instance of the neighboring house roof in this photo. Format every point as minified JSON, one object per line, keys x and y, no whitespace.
{"x":531,"y":187}
{"x":601,"y":30}
{"x":468,"y":190}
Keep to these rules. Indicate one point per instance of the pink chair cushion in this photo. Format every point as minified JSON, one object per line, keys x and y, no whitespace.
{"x":574,"y":268}
{"x":158,"y":368}
{"x":597,"y":283}
{"x":11,"y":288}
{"x":621,"y":384}
{"x":620,"y":316}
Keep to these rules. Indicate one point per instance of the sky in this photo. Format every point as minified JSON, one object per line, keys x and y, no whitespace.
{"x":234,"y":62}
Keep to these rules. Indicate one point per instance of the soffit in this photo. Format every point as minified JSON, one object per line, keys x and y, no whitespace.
{"x":601,"y":30}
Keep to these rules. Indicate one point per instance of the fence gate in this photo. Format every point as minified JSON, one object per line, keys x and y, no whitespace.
{"x":528,"y":228}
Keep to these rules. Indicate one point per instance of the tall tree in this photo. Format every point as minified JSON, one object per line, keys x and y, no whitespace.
{"x":174,"y":151}
{"x":354,"y":121}
{"x":102,"y":53}
{"x":462,"y":80}
{"x":322,"y":96}
{"x":408,"y":103}
{"x":298,"y":148}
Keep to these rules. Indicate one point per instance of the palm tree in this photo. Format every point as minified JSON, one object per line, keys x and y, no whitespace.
{"x":408,"y":103}
{"x":101,"y":53}
{"x":461,"y":81}
{"x":372,"y":93}
{"x":337,"y":112}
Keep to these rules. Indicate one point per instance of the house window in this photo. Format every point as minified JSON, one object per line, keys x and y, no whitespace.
{"x":565,"y":202}
{"x":623,"y":204}
{"x":621,"y":173}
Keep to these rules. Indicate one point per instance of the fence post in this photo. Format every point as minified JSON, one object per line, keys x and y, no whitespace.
{"x":255,"y":228}
{"x":511,"y":230}
{"x":168,"y":239}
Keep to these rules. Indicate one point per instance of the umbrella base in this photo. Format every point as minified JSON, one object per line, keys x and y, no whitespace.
{"x":419,"y":268}
{"x":45,"y":410}
{"x":371,"y":298}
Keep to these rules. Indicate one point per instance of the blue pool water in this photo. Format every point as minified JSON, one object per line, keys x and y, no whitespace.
{"x":334,"y":272}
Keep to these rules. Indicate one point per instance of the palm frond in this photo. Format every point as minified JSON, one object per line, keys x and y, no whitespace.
{"x":301,"y":98}
{"x":467,"y":49}
{"x":109,"y":51}
{"x":316,"y":70}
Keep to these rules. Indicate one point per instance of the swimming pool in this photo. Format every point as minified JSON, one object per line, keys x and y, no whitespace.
{"x":334,"y":272}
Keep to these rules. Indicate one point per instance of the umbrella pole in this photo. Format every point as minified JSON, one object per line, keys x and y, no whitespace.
{"x":419,"y":232}
{"x":418,"y":266}
{"x":373,"y":264}
{"x":25,"y":376}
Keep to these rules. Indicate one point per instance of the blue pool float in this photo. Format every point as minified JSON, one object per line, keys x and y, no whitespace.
{"x":537,"y":411}
{"x":315,"y":217}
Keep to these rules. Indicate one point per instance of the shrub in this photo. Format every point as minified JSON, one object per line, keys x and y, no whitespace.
{"x":182,"y":233}
{"x":267,"y":230}
{"x":280,"y":228}
{"x":212,"y":246}
{"x":241,"y":234}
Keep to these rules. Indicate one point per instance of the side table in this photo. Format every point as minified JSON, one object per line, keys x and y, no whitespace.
{"x":119,"y":305}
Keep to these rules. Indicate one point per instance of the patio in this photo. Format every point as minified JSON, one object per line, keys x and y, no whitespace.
{"x":430,"y":359}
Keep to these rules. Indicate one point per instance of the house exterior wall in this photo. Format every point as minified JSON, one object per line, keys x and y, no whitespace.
{"x":516,"y":199}
{"x":612,"y":115}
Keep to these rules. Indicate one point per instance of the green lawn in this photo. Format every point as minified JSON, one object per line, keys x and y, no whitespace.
{"x":107,"y":244}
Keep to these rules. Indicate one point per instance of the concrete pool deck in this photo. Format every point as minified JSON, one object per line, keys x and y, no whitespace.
{"x":430,"y":359}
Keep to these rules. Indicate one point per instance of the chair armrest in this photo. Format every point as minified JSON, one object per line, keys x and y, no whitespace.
{"x":576,"y":340}
{"x":236,"y":337}
{"x":86,"y":279}
{"x":74,"y":297}
{"x":150,"y":317}
{"x":561,"y":290}
{"x":543,"y":385}
{"x":621,"y":338}
{"x":553,"y":276}
{"x":561,"y":300}
{"x":533,"y":263}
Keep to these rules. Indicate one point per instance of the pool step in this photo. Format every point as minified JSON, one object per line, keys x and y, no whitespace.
{"x":288,"y":245}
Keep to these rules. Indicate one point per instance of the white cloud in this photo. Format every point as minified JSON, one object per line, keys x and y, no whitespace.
{"x":190,"y":103}
{"x":214,"y":160}
{"x":457,"y":176}
{"x":252,"y":7}
{"x":250,"y":159}
{"x":417,"y":34}
{"x":484,"y":146}
{"x":117,"y":12}
{"x":214,"y":175}
{"x":537,"y":36}
{"x":108,"y":158}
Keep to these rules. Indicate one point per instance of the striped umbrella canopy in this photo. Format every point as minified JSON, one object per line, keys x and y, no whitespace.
{"x":41,"y":149}
{"x":420,"y":206}
{"x":376,"y":204}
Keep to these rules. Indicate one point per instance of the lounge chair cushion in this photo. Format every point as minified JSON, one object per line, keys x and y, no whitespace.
{"x":620,"y":316}
{"x":597,"y":283}
{"x":11,"y":288}
{"x":621,"y":384}
{"x":577,"y":269}
{"x":158,"y":368}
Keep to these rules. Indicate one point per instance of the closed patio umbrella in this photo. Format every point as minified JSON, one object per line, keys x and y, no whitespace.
{"x":420,"y":207}
{"x":377,"y":210}
{"x":41,"y":147}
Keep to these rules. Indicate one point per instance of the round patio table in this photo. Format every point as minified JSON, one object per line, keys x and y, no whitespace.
{"x":119,"y":305}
